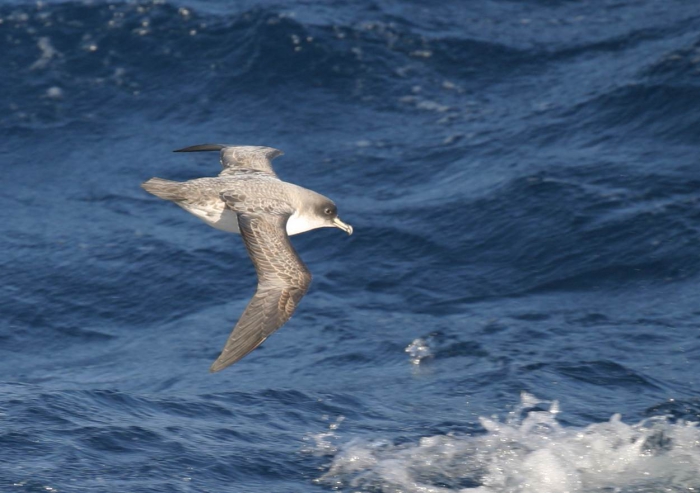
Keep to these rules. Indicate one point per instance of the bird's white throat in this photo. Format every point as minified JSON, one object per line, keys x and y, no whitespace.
{"x":301,"y":223}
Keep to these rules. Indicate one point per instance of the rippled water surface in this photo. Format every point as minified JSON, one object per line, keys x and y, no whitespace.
{"x":517,"y":311}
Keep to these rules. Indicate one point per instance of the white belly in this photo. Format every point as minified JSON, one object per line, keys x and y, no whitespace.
{"x":219,"y":217}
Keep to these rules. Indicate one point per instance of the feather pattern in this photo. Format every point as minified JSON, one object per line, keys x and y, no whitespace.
{"x":283,"y":279}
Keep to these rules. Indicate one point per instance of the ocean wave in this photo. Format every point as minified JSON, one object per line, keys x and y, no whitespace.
{"x":72,"y":61}
{"x":75,"y":62}
{"x":587,"y":228}
{"x":664,"y":111}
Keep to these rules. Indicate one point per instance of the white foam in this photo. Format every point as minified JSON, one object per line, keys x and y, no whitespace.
{"x":324,"y":442}
{"x":528,"y":455}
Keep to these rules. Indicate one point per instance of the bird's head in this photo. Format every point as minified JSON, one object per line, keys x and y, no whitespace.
{"x":327,"y":211}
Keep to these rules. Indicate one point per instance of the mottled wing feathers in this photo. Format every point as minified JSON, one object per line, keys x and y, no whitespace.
{"x":233,"y":158}
{"x":240,"y":203}
{"x":267,"y":311}
{"x":283,"y":279}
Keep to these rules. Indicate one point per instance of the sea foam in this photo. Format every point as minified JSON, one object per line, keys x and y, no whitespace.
{"x":529,"y":451}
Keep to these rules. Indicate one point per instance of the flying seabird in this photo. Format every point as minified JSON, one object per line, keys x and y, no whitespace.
{"x":248,"y":198}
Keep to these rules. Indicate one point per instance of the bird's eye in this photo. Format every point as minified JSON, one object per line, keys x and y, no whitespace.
{"x":328,"y":211}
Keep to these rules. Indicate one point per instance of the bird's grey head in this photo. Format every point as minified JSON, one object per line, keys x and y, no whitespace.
{"x":326,"y":210}
{"x":315,"y":211}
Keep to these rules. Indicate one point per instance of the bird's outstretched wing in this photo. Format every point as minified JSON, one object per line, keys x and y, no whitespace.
{"x":234,"y":158}
{"x":283,"y":279}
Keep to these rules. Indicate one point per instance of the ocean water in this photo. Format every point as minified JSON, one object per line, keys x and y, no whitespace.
{"x":517,"y":311}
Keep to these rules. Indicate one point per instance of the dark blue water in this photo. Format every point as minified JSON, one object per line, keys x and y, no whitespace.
{"x":517,"y":311}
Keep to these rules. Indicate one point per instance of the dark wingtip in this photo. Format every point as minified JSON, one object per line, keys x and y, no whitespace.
{"x":201,"y":148}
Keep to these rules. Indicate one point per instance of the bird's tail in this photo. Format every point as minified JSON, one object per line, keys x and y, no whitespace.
{"x":165,"y":189}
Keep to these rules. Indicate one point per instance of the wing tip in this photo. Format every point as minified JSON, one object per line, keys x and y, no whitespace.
{"x":220,"y":364}
{"x":201,"y":148}
{"x":271,"y":152}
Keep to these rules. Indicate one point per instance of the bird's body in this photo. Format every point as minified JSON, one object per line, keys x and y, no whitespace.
{"x":201,"y":197}
{"x":248,"y":198}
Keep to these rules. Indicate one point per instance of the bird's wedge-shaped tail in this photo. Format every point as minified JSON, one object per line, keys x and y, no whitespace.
{"x":283,"y":279}
{"x":164,"y":189}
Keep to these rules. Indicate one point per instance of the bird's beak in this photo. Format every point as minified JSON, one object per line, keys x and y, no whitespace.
{"x":340,"y":224}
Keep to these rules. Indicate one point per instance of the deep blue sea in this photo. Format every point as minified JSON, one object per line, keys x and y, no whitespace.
{"x":517,"y":311}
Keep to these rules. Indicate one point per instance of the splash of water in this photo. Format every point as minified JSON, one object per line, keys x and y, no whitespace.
{"x":324,"y":443}
{"x":529,"y":454}
{"x":418,"y":351}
